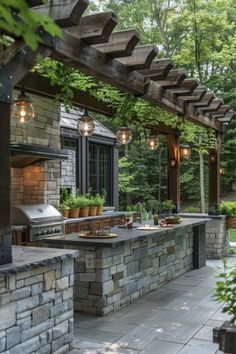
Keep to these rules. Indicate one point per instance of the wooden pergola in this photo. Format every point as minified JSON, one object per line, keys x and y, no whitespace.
{"x":90,"y":45}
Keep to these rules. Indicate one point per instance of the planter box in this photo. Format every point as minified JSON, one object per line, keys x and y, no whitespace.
{"x":226,"y":337}
{"x":231,"y":222}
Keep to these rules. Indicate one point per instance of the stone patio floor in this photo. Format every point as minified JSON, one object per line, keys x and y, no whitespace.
{"x":176,"y":318}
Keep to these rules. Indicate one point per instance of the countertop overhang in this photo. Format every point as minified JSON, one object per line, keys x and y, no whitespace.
{"x":123,"y":235}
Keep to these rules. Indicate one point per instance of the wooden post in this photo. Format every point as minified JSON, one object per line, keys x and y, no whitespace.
{"x":214,"y":178}
{"x":173,"y":169}
{"x":5,"y":190}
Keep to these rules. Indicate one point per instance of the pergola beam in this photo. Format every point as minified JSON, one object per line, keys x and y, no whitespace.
{"x":66,"y":13}
{"x":140,"y":58}
{"x":96,"y":28}
{"x":41,"y":86}
{"x":92,"y":62}
{"x":158,"y":70}
{"x":196,"y":96}
{"x":120,"y":44}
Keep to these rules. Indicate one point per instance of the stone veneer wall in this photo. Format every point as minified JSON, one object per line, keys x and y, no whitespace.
{"x":38,"y":183}
{"x":217,"y":240}
{"x":108,"y":278}
{"x":36,"y":310}
{"x":68,"y":171}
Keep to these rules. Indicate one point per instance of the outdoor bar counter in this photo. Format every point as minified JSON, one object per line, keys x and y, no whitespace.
{"x":111,"y":273}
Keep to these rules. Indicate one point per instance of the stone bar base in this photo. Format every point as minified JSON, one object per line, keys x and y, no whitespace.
{"x":217,"y":240}
{"x":36,"y":301}
{"x":110,"y":274}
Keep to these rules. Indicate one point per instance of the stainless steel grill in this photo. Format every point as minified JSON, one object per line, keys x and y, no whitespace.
{"x":43,"y":220}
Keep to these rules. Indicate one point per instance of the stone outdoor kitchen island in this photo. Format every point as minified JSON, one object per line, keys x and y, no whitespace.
{"x":36,"y":297}
{"x":111,"y":273}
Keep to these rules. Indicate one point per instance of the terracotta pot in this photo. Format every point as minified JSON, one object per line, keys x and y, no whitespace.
{"x":65,"y":213}
{"x":74,"y":213}
{"x":100,"y":210}
{"x":231,"y":222}
{"x":84,"y":212}
{"x":93,"y":211}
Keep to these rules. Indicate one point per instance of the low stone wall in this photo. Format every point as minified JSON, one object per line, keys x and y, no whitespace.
{"x":217,"y":240}
{"x":36,"y":306}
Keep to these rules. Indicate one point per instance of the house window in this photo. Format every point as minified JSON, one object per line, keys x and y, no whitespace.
{"x":100,"y":170}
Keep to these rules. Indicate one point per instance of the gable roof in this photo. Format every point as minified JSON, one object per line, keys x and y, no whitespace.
{"x":70,"y":120}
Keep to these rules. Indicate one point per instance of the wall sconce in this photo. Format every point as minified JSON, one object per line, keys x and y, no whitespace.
{"x":222,"y":171}
{"x":23,"y":109}
{"x":152,"y":142}
{"x":173,"y":163}
{"x":212,"y":157}
{"x":185,"y":151}
{"x":86,"y":125}
{"x":124,"y":135}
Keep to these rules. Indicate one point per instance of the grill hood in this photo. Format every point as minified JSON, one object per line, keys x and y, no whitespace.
{"x":25,"y":154}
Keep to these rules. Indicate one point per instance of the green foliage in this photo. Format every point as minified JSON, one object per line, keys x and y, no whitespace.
{"x":168,"y":205}
{"x":225,"y":291}
{"x":228,"y":208}
{"x":18,"y":20}
{"x":64,"y":194}
{"x":153,"y":205}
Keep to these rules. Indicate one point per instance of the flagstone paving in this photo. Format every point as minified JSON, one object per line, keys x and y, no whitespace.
{"x":176,"y":318}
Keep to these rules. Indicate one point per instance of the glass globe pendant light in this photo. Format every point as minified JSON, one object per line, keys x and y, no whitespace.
{"x":185,"y":151}
{"x":23,"y":109}
{"x":86,"y":125}
{"x":152,"y":142}
{"x":124,"y":135}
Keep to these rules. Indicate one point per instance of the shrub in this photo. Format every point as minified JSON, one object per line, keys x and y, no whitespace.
{"x":228,"y":208}
{"x":225,"y":291}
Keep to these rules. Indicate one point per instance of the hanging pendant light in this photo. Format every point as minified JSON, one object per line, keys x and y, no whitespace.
{"x":23,"y":109}
{"x":185,"y":151}
{"x":152,"y":142}
{"x":86,"y":125}
{"x":124,"y":135}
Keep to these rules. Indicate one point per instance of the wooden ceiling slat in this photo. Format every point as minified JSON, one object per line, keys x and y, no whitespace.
{"x":141,"y":57}
{"x":159,"y":69}
{"x":214,"y":106}
{"x":206,"y":100}
{"x":94,"y":63}
{"x":95,"y":28}
{"x":197,"y":95}
{"x":120,"y":44}
{"x":173,"y":80}
{"x":66,"y":13}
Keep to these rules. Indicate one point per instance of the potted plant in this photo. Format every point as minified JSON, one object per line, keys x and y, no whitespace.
{"x":228,"y":208}
{"x":168,"y":206}
{"x":83,"y":203}
{"x":225,"y":293}
{"x":73,"y":206}
{"x":64,"y":209}
{"x":100,"y":201}
{"x":93,"y":206}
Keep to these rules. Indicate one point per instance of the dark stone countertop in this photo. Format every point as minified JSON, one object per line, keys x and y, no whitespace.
{"x":123,"y":235}
{"x":27,"y":258}
{"x":105,"y":215}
